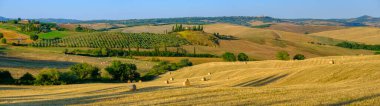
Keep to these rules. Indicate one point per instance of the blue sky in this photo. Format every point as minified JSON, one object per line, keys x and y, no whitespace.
{"x":137,"y":9}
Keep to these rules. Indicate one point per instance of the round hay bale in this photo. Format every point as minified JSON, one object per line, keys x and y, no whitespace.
{"x":170,"y":73}
{"x":186,"y":83}
{"x":203,"y":79}
{"x":140,"y":81}
{"x":331,"y":62}
{"x":166,"y":82}
{"x":129,"y":81}
{"x":171,"y":79}
{"x":132,"y":87}
{"x":208,"y":73}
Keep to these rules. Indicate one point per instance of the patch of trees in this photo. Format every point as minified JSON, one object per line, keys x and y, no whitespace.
{"x":78,"y":73}
{"x":284,"y":55}
{"x":180,"y":27}
{"x":224,"y":37}
{"x":353,"y":45}
{"x":79,"y":28}
{"x":115,"y":40}
{"x":228,"y":56}
{"x":165,"y":66}
{"x":3,"y":40}
{"x":1,"y":35}
{"x":262,"y":26}
{"x":105,"y":52}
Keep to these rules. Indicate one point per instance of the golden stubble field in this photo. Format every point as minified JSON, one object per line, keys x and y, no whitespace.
{"x":351,"y":80}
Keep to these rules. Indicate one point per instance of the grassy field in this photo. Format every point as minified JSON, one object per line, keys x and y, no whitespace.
{"x":352,"y":80}
{"x":13,"y":36}
{"x":368,"y":35}
{"x":57,"y":34}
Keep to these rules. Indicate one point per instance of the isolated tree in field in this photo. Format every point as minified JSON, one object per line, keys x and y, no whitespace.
{"x":34,"y":37}
{"x":243,"y":57}
{"x":85,"y":71}
{"x":299,"y":57}
{"x":3,"y":41}
{"x":79,"y":28}
{"x":48,"y":77}
{"x":184,"y":63}
{"x":228,"y":56}
{"x":123,"y":71}
{"x":283,"y":55}
{"x":1,"y":35}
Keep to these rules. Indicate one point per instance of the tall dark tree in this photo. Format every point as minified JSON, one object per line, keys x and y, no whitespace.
{"x":243,"y":57}
{"x":34,"y":37}
{"x":228,"y":56}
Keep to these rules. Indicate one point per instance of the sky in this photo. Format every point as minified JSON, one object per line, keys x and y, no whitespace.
{"x":142,"y":9}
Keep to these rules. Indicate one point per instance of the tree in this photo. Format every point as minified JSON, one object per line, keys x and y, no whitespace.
{"x":1,"y":35}
{"x":104,"y":51}
{"x":283,"y":55}
{"x":5,"y":77}
{"x":85,"y":71}
{"x":123,"y":71}
{"x":243,"y":57}
{"x":299,"y":57}
{"x":3,"y":41}
{"x":34,"y":37}
{"x":27,"y":79}
{"x":228,"y":56}
{"x":79,"y":29}
{"x":48,"y":77}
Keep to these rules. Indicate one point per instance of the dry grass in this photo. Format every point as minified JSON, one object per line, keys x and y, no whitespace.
{"x":288,"y":27}
{"x":353,"y":80}
{"x":194,"y":60}
{"x":13,"y":36}
{"x":368,"y":35}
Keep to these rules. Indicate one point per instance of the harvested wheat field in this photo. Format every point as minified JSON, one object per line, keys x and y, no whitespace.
{"x":367,"y":35}
{"x":351,"y":80}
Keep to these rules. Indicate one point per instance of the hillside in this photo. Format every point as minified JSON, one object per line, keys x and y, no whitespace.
{"x":302,"y":29}
{"x":367,"y":35}
{"x":13,"y":36}
{"x":264,"y":43}
{"x":309,"y":82}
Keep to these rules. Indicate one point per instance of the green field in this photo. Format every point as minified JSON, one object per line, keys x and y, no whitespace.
{"x":57,"y":34}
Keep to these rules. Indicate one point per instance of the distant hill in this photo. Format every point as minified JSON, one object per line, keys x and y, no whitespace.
{"x":237,"y":20}
{"x":367,"y":35}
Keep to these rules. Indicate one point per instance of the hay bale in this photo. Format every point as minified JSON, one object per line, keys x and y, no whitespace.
{"x":331,"y":62}
{"x":140,"y":81}
{"x":129,"y":81}
{"x":186,"y":83}
{"x":170,"y":73}
{"x":132,"y":87}
{"x":208,"y":73}
{"x":171,"y":79}
{"x":166,"y":82}
{"x":203,"y":79}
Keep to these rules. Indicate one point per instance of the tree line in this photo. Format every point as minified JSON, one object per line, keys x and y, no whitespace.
{"x":354,"y":45}
{"x":180,"y":27}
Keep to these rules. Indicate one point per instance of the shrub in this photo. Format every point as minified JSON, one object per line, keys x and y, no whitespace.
{"x":228,"y":56}
{"x":85,"y":71}
{"x":3,"y":41}
{"x":6,"y":77}
{"x":34,"y":37}
{"x":1,"y":35}
{"x":299,"y":57}
{"x":27,"y":79}
{"x":184,"y":63}
{"x":283,"y":55}
{"x":48,"y":77}
{"x":123,"y":71}
{"x":68,"y":77}
{"x":243,"y":57}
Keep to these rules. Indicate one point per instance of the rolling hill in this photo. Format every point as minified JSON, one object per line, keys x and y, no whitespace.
{"x":367,"y":35}
{"x":352,"y":80}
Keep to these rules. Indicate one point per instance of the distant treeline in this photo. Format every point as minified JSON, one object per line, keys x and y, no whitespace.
{"x":105,"y":52}
{"x":238,"y":20}
{"x":353,"y":45}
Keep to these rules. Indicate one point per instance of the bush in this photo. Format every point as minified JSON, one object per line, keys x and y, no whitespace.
{"x":68,"y":77}
{"x":228,"y":56}
{"x":27,"y":79}
{"x":3,"y":41}
{"x":34,"y":37}
{"x":6,"y":77}
{"x":85,"y":71}
{"x":48,"y":77}
{"x":283,"y":55}
{"x":184,"y":63}
{"x":243,"y":57}
{"x":299,"y":57}
{"x":1,"y":35}
{"x":122,"y":71}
